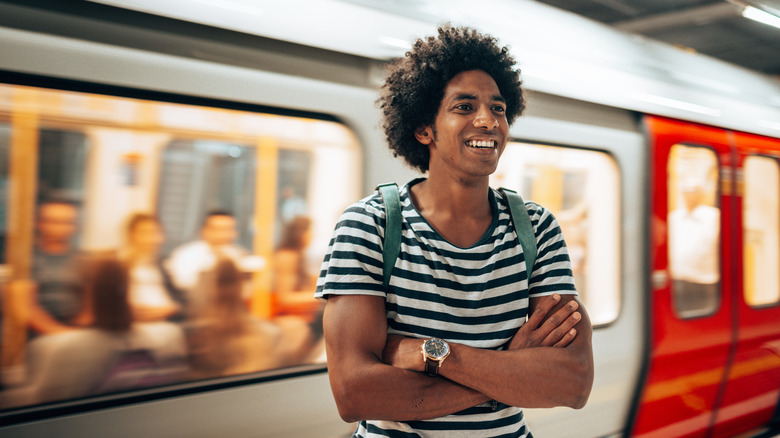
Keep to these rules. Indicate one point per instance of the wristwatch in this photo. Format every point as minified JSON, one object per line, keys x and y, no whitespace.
{"x":434,"y":352}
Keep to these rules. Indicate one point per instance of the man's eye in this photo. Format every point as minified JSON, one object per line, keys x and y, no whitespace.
{"x":499,"y":109}
{"x":463,"y":107}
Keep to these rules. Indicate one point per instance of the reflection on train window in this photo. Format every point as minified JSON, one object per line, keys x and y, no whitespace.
{"x":761,"y":222}
{"x":61,"y":163}
{"x":582,"y":189}
{"x":200,"y":175}
{"x":171,"y":243}
{"x":694,"y":230}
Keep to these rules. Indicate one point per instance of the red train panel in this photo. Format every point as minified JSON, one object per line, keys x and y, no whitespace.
{"x":715,"y":372}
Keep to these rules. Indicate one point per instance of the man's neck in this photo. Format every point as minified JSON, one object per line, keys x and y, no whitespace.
{"x":453,"y":198}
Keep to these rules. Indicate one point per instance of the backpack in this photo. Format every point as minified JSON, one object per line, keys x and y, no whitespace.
{"x":392,"y":242}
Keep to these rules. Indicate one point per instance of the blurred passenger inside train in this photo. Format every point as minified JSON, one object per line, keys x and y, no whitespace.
{"x":293,"y":285}
{"x":228,"y":340}
{"x":59,"y":270}
{"x":190,"y":262}
{"x":152,"y":294}
{"x":155,"y":303}
{"x":694,"y":230}
{"x":111,"y":354}
{"x":458,"y":291}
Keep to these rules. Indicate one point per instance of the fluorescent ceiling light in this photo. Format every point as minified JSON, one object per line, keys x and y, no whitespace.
{"x":396,"y":42}
{"x":674,"y":103}
{"x":761,"y":16}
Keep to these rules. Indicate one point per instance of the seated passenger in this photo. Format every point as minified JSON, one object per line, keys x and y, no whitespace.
{"x":293,"y":285}
{"x":58,"y":273}
{"x":231,"y":341}
{"x":152,"y":296}
{"x":78,"y":363}
{"x":189,"y":263}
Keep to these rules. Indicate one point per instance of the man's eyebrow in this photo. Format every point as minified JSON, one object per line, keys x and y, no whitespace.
{"x":467,"y":96}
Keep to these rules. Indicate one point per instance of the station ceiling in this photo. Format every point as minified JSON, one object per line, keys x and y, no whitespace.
{"x":712,"y":27}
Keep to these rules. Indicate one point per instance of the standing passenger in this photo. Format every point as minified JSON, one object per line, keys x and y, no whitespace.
{"x":293,"y":285}
{"x":458,"y":282}
{"x":694,"y":231}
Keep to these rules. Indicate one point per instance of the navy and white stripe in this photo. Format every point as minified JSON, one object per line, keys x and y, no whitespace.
{"x":475,"y":296}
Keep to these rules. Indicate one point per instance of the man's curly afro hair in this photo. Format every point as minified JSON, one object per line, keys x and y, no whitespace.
{"x":414,"y":88}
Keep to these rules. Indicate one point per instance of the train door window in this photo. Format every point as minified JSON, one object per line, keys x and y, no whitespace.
{"x":761,"y":232}
{"x":293,"y":186}
{"x":694,"y":230}
{"x":582,"y":190}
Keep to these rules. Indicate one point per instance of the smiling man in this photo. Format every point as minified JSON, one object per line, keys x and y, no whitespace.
{"x":460,"y":340}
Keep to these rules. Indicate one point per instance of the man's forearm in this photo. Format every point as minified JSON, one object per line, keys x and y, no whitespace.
{"x":539,"y":377}
{"x":383,"y":392}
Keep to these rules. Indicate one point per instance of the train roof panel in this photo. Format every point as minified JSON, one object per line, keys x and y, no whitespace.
{"x":559,"y":52}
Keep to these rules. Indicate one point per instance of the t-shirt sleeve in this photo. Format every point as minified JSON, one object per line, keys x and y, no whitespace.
{"x":552,"y":270}
{"x":353,"y":262}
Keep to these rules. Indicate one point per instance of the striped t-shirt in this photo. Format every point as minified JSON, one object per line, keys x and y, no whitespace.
{"x":476,"y":296}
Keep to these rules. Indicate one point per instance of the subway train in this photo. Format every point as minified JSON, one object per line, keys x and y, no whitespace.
{"x":661,"y":165}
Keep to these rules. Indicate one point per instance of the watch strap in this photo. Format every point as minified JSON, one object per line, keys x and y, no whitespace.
{"x":432,"y":367}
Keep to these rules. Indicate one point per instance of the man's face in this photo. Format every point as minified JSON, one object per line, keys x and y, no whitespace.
{"x":147,"y":236}
{"x":220,"y":230}
{"x":57,"y":222}
{"x":470,"y":130}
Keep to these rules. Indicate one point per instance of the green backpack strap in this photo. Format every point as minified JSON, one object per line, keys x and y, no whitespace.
{"x":523,"y":227}
{"x":392,"y":243}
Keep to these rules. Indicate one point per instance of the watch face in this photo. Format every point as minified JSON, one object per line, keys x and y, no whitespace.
{"x":436,"y":348}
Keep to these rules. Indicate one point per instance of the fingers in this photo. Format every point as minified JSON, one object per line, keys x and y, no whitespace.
{"x":542,"y":309}
{"x":565,"y":333}
{"x":567,"y":338}
{"x":559,"y":327}
{"x":548,"y":326}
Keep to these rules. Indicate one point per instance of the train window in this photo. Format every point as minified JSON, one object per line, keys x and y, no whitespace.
{"x":582,"y":189}
{"x":761,"y":222}
{"x":5,"y":139}
{"x":173,"y":243}
{"x":694,"y":230}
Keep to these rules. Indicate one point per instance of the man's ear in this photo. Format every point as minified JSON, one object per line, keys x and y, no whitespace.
{"x":424,"y":134}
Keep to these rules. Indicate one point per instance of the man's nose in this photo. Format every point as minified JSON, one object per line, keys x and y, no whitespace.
{"x":485,"y":118}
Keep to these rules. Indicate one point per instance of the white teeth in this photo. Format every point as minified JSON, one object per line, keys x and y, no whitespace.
{"x":481,"y":143}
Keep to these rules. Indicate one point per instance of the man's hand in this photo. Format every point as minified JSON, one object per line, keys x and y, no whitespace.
{"x":557,"y":330}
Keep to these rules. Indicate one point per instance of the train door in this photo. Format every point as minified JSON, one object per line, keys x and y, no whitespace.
{"x":752,"y":389}
{"x":692,"y":278}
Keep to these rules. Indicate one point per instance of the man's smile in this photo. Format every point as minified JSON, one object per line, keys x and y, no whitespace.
{"x":481,"y":144}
